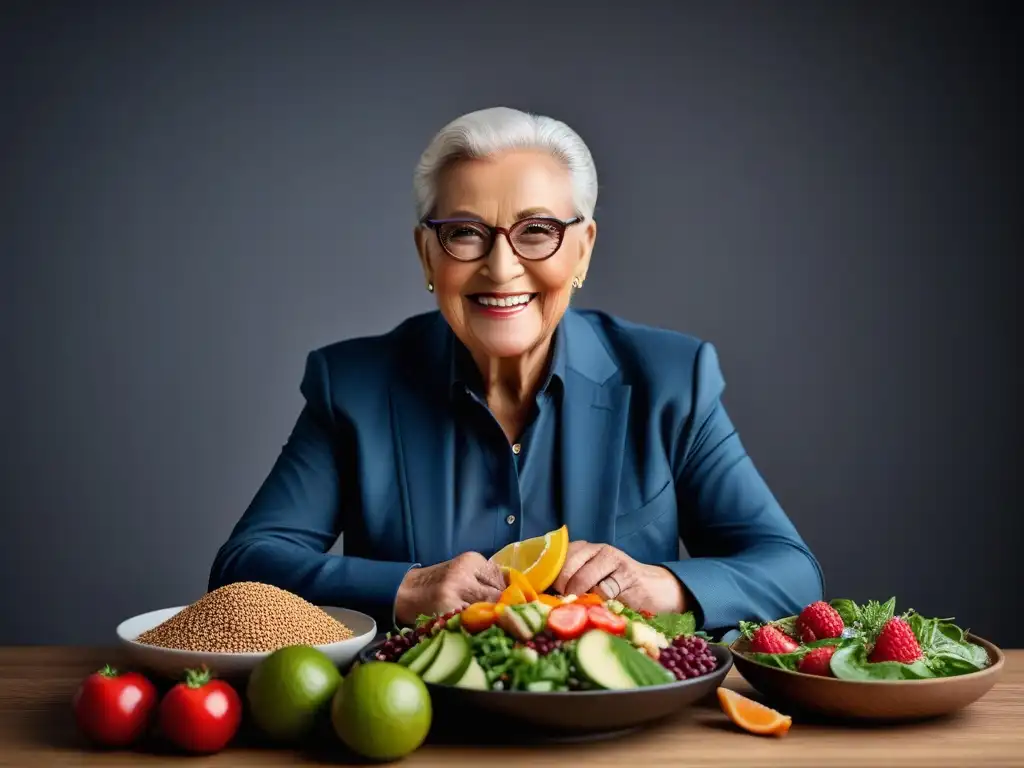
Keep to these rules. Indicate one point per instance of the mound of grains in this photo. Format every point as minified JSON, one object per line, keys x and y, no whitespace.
{"x":246,"y":617}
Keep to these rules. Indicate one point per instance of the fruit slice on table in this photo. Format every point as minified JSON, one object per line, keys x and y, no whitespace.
{"x":540,"y":559}
{"x":752,"y":716}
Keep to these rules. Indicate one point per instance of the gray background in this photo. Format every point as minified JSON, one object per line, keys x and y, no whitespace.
{"x":196,"y":194}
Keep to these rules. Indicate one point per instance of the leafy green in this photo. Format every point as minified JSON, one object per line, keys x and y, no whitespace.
{"x":850,"y":662}
{"x":848,"y":610}
{"x":673,"y":625}
{"x":946,"y":651}
{"x":423,"y":619}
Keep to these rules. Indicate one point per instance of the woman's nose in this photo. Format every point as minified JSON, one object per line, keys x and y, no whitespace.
{"x":503,"y":266}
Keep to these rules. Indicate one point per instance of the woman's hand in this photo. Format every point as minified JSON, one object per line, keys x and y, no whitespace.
{"x":607,"y":571}
{"x":448,"y":586}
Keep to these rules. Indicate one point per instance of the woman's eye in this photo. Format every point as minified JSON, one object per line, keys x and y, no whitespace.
{"x":463,"y":233}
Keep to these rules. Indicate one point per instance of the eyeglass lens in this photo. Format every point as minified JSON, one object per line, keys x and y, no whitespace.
{"x":531,"y":238}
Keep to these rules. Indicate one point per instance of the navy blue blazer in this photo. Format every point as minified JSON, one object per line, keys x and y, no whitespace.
{"x":649,"y":457}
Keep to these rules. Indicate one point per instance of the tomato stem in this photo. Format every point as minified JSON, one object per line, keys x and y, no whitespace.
{"x":108,"y":671}
{"x":197,"y":678}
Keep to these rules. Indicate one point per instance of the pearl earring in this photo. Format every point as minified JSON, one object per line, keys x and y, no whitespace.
{"x":430,"y":287}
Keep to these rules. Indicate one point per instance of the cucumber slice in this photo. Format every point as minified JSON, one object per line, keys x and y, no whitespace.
{"x":533,"y":617}
{"x":451,"y":661}
{"x":543,"y":608}
{"x":540,"y":686}
{"x":474,"y":679}
{"x":599,"y":663}
{"x":639,"y":666}
{"x":513,"y":622}
{"x":423,"y":659}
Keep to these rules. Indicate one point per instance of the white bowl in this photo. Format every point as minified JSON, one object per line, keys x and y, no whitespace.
{"x":172,"y":663}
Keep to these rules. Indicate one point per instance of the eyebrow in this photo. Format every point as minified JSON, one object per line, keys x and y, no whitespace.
{"x":526,"y":213}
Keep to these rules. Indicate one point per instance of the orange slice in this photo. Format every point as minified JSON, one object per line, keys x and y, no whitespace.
{"x":539,"y":559}
{"x":752,"y":716}
{"x":517,"y":579}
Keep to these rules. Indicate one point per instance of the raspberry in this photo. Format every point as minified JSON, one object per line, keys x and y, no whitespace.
{"x":896,"y":642}
{"x":771,"y":639}
{"x":819,"y":621}
{"x":816,"y":662}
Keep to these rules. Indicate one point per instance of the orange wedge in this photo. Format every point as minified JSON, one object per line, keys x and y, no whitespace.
{"x":517,"y":579}
{"x":752,"y":716}
{"x":539,"y":559}
{"x":512,"y":595}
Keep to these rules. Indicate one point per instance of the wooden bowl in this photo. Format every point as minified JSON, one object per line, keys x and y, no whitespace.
{"x":875,"y":700}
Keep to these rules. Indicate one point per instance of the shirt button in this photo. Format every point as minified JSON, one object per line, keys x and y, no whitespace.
{"x":516,"y":448}
{"x":510,"y":519}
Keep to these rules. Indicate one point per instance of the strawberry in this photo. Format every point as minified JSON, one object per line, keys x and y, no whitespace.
{"x":819,"y":621}
{"x":896,"y":642}
{"x":816,"y":662}
{"x":771,"y":639}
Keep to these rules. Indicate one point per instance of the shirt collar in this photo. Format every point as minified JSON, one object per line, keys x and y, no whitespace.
{"x":463,"y":373}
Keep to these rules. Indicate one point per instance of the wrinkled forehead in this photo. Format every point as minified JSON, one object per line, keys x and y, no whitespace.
{"x":499,"y":187}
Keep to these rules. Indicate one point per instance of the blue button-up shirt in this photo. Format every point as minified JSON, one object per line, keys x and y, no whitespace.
{"x":501,"y":495}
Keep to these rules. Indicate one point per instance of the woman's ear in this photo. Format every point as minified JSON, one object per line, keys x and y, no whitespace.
{"x":421,"y":237}
{"x":586,"y":247}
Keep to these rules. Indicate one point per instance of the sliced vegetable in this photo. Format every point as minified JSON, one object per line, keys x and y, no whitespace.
{"x":451,"y":661}
{"x":478,"y":617}
{"x":474,"y":678}
{"x":568,"y":621}
{"x":513,"y":622}
{"x":600,"y":617}
{"x":426,"y":656}
{"x":590,"y":599}
{"x":643,"y":634}
{"x":533,"y":617}
{"x":641,"y":668}
{"x":599,"y":663}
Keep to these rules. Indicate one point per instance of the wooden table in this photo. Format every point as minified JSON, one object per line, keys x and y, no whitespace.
{"x":36,"y":729}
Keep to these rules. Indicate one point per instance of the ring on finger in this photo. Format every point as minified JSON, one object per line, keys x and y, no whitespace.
{"x":610,"y":587}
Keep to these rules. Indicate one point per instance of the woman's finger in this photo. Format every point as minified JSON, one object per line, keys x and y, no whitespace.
{"x":579,"y":553}
{"x":604,"y":563}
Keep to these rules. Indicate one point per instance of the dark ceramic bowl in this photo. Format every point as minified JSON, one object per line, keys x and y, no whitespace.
{"x":875,"y":700}
{"x":570,"y":713}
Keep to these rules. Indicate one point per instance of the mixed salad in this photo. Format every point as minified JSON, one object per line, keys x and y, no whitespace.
{"x":848,"y":641}
{"x":544,"y":643}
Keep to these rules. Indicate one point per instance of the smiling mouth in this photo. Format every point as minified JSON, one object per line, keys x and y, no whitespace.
{"x":502,"y":301}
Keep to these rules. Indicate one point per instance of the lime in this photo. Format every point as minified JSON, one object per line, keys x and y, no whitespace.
{"x":289,"y":688}
{"x":382,"y":711}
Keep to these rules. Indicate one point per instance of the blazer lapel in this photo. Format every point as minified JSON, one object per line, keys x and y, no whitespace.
{"x":424,"y":439}
{"x":594,"y":420}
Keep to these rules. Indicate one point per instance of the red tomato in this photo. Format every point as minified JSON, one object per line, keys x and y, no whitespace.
{"x":568,"y":621}
{"x":601,"y":618}
{"x":200,"y":715}
{"x":113,"y":709}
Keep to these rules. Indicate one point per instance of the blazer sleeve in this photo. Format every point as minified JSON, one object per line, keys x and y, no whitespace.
{"x":283,"y":537}
{"x":747,"y":561}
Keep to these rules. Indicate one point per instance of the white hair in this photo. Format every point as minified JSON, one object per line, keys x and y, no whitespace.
{"x":490,"y":131}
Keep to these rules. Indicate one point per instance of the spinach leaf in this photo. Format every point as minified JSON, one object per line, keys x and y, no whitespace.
{"x":788,"y":661}
{"x":850,"y":662}
{"x":946,"y":649}
{"x":848,"y":610}
{"x":673,"y":625}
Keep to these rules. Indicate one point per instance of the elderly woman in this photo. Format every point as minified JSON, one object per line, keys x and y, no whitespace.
{"x":506,"y":414}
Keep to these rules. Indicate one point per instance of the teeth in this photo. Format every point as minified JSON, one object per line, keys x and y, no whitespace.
{"x":506,"y":301}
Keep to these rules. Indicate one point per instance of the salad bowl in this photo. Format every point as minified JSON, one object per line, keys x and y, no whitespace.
{"x":569,"y":713}
{"x":953,"y":669}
